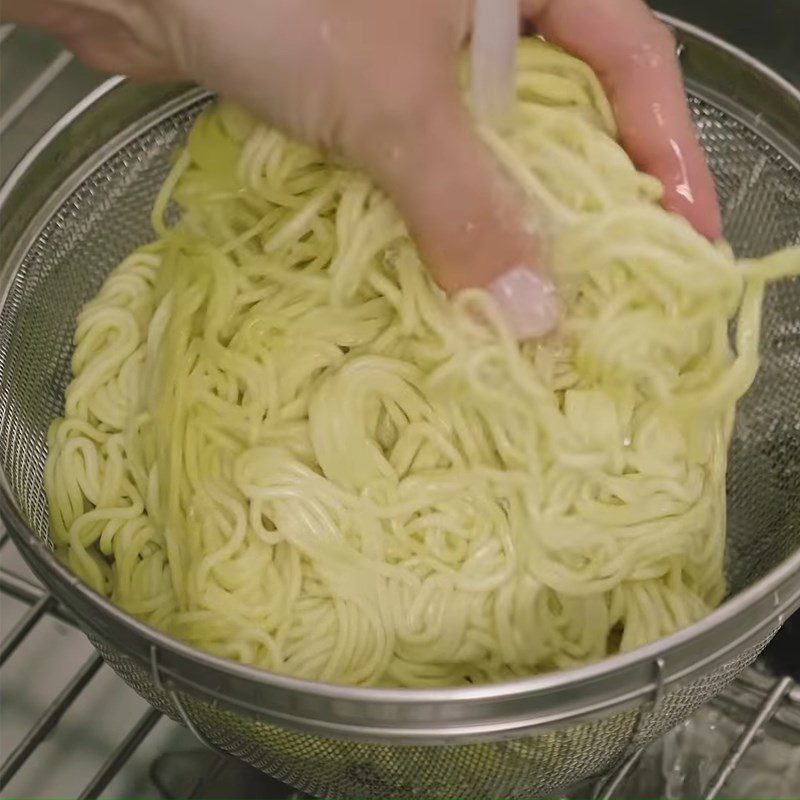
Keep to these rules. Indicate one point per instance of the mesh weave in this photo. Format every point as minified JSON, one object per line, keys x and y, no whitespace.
{"x":525,"y":766}
{"x":108,"y":216}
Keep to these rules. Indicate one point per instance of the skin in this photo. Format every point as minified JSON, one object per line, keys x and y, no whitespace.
{"x":374,"y":81}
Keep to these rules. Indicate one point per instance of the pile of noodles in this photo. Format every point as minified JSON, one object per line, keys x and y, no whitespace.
{"x":284,"y":445}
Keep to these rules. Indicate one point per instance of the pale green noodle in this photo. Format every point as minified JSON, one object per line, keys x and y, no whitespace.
{"x":283,"y":444}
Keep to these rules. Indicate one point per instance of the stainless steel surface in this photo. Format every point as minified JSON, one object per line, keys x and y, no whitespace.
{"x":49,"y":719}
{"x":64,"y":717}
{"x":769,"y":703}
{"x":20,"y":631}
{"x":80,"y":202}
{"x":12,"y":112}
{"x":746,"y":696}
{"x":768,"y":708}
{"x":770,"y":31}
{"x":25,"y":591}
{"x":34,"y":92}
{"x":122,"y":753}
{"x":610,"y":786}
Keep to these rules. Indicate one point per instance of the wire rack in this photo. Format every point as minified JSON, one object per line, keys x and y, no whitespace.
{"x":40,"y":604}
{"x":760,"y":697}
{"x":49,"y":83}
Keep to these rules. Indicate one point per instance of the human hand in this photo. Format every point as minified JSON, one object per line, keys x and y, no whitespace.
{"x":375,"y":81}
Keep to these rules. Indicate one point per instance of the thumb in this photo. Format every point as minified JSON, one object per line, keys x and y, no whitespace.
{"x":465,"y":215}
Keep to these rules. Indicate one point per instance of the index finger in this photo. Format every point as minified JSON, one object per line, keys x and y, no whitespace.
{"x":635,"y":58}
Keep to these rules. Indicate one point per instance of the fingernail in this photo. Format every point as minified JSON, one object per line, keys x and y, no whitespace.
{"x":528,"y":302}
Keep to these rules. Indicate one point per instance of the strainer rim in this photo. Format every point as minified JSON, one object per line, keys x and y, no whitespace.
{"x":759,"y":66}
{"x":782,"y":582}
{"x":39,"y":556}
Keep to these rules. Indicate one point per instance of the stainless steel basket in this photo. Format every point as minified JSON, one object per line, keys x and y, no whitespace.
{"x":80,"y":201}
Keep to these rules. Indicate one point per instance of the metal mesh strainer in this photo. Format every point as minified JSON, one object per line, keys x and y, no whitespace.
{"x":80,"y":202}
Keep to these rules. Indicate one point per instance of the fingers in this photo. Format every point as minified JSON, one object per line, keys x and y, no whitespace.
{"x":127,"y":37}
{"x":634,"y":56}
{"x":465,"y":215}
{"x":381,"y":90}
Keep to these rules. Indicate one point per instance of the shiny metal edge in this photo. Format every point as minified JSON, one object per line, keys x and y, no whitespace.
{"x":753,"y":84}
{"x":62,"y":124}
{"x":435,"y":716}
{"x":168,"y":99}
{"x":687,"y":29}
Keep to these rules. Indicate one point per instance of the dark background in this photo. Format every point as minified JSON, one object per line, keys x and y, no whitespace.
{"x":767,"y":29}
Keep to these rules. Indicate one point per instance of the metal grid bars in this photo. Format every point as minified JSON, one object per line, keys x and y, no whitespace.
{"x":784,"y":694}
{"x":39,"y":83}
{"x":40,"y":603}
